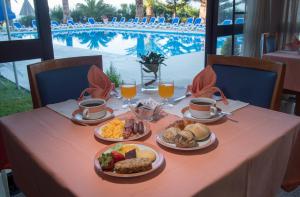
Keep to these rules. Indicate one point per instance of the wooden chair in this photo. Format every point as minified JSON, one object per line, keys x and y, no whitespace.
{"x":269,"y":43}
{"x":59,"y":79}
{"x":258,"y":82}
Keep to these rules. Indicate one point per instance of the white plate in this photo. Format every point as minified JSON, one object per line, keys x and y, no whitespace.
{"x":77,"y":117}
{"x":201,"y":144}
{"x":98,"y":132}
{"x":187,"y":115}
{"x":155,"y":165}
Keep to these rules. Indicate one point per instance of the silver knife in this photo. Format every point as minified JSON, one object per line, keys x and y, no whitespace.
{"x":182,"y":97}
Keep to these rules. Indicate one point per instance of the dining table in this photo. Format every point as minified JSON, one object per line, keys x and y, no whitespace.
{"x":292,"y":80}
{"x":256,"y":151}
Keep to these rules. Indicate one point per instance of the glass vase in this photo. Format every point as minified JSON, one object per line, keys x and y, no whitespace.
{"x":149,"y":80}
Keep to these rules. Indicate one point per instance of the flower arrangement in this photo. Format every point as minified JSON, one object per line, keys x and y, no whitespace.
{"x":151,"y":63}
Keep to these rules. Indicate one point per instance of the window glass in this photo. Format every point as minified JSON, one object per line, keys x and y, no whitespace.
{"x":22,"y":21}
{"x":224,"y":45}
{"x":240,"y":5}
{"x":238,"y":44}
{"x":225,"y":12}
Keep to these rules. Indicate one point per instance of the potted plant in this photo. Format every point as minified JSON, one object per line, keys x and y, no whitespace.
{"x":150,"y":70}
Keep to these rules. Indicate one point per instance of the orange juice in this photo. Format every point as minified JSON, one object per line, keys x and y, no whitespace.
{"x":128,"y":91}
{"x":166,"y":90}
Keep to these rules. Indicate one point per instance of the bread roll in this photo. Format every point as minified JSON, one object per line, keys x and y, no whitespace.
{"x":185,"y":139}
{"x":199,"y":130}
{"x":170,"y":134}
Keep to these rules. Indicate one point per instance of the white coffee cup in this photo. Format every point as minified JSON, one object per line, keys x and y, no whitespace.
{"x":93,"y":108}
{"x":203,"y":108}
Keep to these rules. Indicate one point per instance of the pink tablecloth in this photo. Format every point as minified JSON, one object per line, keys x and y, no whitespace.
{"x":292,"y":61}
{"x":51,"y":156}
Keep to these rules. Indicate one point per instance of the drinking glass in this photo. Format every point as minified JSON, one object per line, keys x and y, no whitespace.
{"x":128,"y":91}
{"x":166,"y":91}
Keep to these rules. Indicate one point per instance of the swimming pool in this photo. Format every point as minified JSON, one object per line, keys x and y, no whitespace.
{"x":124,"y":42}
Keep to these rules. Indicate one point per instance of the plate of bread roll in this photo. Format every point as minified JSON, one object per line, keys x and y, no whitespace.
{"x":186,"y":135}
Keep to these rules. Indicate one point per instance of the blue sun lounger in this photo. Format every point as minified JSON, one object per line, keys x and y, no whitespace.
{"x":239,"y":21}
{"x":91,"y":21}
{"x":144,"y":21}
{"x":18,"y":26}
{"x":54,"y":24}
{"x":174,"y":23}
{"x":122,"y":21}
{"x":151,"y":22}
{"x":227,"y":22}
{"x":33,"y":23}
{"x":161,"y":22}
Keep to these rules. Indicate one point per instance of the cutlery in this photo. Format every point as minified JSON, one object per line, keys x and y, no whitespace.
{"x":182,"y":97}
{"x":116,"y":94}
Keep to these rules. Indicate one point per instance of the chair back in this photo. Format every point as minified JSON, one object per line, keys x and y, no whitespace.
{"x":17,"y":25}
{"x":130,"y":20}
{"x":227,"y":22}
{"x":136,"y":20}
{"x":91,"y":21}
{"x":189,"y":21}
{"x":122,"y":20}
{"x":161,"y":20}
{"x":175,"y":21}
{"x":54,"y":23}
{"x":144,"y":20}
{"x":239,"y":21}
{"x":33,"y":23}
{"x":258,"y":82}
{"x":198,"y":21}
{"x":114,"y":19}
{"x":269,"y":43}
{"x":70,"y":22}
{"x":58,"y":80}
{"x":152,"y":20}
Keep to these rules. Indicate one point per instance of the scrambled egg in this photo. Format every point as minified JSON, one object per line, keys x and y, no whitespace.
{"x":128,"y":147}
{"x":113,"y":129}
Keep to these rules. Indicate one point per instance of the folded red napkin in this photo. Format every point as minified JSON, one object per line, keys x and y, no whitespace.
{"x":100,"y":84}
{"x":204,"y":84}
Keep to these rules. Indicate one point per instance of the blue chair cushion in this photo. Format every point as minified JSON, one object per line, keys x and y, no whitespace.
{"x":62,"y":84}
{"x":246,"y":84}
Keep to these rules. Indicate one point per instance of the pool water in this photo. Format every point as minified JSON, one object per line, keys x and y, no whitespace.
{"x":131,"y":43}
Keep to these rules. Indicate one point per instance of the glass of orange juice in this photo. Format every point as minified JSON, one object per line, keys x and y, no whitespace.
{"x":166,"y":91}
{"x":128,"y":91}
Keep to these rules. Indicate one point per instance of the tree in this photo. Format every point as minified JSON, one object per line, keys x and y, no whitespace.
{"x":95,"y":9}
{"x":149,"y":7}
{"x":202,"y":11}
{"x":139,"y":8}
{"x":56,"y":14}
{"x":66,"y":10}
{"x":127,"y":11}
{"x":174,"y":5}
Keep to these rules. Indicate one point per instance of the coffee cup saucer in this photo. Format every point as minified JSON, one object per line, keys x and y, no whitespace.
{"x":78,"y":118}
{"x":187,"y":115}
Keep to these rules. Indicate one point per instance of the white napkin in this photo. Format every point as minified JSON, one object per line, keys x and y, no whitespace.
{"x":65,"y":108}
{"x":232,"y":106}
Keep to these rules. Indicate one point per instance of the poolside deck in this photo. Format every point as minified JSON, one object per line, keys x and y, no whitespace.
{"x":181,"y":68}
{"x":199,"y":32}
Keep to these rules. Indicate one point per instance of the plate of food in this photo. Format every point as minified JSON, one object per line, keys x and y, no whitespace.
{"x":121,"y":130}
{"x":186,"y":135}
{"x":128,"y":159}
